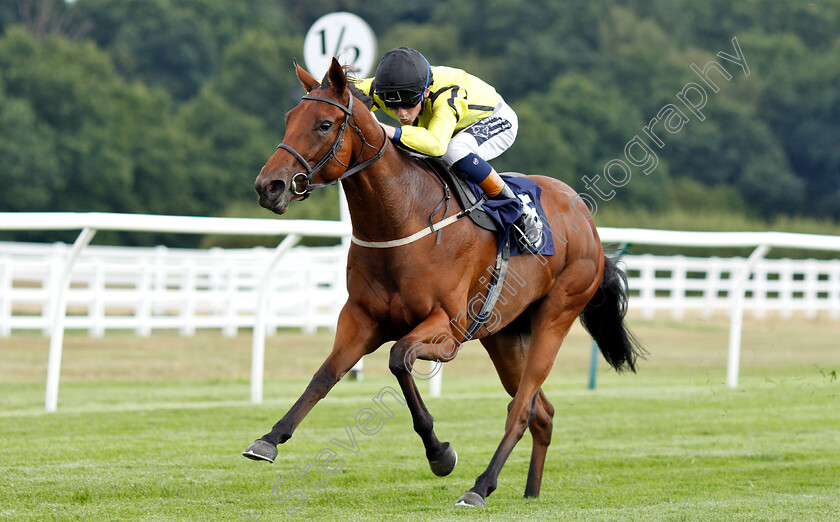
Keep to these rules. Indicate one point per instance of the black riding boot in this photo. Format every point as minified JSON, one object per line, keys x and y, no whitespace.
{"x":529,"y":226}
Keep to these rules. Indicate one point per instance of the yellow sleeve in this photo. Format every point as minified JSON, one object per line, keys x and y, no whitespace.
{"x":365,"y":86}
{"x":434,"y":130}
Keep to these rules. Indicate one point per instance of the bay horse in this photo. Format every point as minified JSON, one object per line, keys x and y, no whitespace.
{"x":416,"y":294}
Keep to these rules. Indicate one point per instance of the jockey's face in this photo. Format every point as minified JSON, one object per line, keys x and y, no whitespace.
{"x":408,"y":115}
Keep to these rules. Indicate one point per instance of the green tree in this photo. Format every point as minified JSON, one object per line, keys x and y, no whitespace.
{"x":171,"y":50}
{"x":229,"y":20}
{"x":117,"y":146}
{"x":540,"y":148}
{"x":536,"y":40}
{"x":641,"y":59}
{"x":174,"y":105}
{"x":43,"y":17}
{"x":257,"y":77}
{"x":28,"y":162}
{"x":803,"y":110}
{"x":594,"y":122}
{"x":815,"y":23}
{"x":155,"y":41}
{"x":160,"y":151}
{"x":380,"y":15}
{"x":733,"y":147}
{"x":230,"y":147}
{"x":69,"y":87}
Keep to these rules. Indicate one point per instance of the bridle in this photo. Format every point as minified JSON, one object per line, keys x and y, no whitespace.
{"x":337,"y":144}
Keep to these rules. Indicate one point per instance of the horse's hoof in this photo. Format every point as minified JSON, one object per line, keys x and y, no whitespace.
{"x":261,"y":450}
{"x":471,"y":499}
{"x":444,"y":465}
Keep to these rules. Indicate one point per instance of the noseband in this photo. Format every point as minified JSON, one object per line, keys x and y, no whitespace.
{"x":307,"y":176}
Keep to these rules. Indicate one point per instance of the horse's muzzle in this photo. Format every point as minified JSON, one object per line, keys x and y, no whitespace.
{"x":274,"y":196}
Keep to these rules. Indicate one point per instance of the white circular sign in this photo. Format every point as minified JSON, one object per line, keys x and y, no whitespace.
{"x":343,"y":35}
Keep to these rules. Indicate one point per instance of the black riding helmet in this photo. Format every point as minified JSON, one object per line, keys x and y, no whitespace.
{"x":401,"y":78}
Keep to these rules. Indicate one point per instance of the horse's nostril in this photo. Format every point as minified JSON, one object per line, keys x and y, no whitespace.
{"x":275,"y":188}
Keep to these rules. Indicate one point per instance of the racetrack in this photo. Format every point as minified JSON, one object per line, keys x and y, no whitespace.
{"x":151,"y":429}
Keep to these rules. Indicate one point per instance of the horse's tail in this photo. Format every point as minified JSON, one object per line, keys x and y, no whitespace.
{"x":603,"y":318}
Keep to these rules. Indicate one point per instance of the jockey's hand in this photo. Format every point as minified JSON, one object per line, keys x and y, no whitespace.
{"x":389,"y":130}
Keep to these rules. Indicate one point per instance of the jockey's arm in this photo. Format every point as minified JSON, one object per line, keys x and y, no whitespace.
{"x":433,"y":140}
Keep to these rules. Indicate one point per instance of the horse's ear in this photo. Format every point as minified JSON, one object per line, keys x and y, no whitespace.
{"x":338,"y":79}
{"x":305,"y":78}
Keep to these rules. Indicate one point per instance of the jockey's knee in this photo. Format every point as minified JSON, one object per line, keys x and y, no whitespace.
{"x":473,"y":167}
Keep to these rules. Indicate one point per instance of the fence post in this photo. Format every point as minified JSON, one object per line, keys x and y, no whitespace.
{"x":736,"y":319}
{"x":760,"y":290}
{"x":143,"y":308}
{"x":436,"y":380}
{"x":189,"y":291}
{"x":5,"y":296}
{"x":59,"y":310}
{"x":230,"y":328}
{"x":711,"y":287}
{"x":834,"y":289}
{"x":258,"y":340}
{"x":51,"y":283}
{"x":96,"y":308}
{"x":310,"y":303}
{"x":811,"y":275}
{"x":593,"y":366}
{"x":647,"y":280}
{"x":786,"y":285}
{"x":679,"y":277}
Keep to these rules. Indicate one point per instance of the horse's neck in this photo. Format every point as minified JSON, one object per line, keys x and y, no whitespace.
{"x":392,"y":198}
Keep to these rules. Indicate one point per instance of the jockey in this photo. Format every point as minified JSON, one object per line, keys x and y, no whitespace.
{"x":450,"y":114}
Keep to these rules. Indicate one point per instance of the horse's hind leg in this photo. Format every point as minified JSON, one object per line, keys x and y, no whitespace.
{"x":551,"y":320}
{"x":431,"y":340}
{"x":541,"y":428}
{"x":507,"y":351}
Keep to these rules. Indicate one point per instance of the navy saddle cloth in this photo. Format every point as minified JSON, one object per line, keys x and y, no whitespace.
{"x":504,"y":212}
{"x":499,"y":215}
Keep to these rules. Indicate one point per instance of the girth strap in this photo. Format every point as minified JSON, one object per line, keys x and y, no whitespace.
{"x":499,"y":275}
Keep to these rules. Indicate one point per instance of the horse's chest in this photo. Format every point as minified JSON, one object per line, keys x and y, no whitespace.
{"x":403,"y":307}
{"x":407,"y":309}
{"x":403,"y":302}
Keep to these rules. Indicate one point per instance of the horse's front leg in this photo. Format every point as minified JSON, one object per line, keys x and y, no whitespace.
{"x":356,"y":335}
{"x":431,"y":340}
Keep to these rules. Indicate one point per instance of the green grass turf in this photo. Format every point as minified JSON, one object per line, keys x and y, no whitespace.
{"x":151,"y":429}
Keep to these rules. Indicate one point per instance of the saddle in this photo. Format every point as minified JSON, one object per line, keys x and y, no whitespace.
{"x":463,"y":193}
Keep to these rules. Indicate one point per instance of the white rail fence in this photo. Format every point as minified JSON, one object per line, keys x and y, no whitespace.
{"x":146,"y":289}
{"x":679,"y":284}
{"x":157,"y":288}
{"x":90,"y":223}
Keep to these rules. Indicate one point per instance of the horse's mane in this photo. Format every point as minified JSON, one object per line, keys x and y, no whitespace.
{"x":361,"y":96}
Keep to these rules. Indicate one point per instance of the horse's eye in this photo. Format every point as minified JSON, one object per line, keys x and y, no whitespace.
{"x":325,"y":126}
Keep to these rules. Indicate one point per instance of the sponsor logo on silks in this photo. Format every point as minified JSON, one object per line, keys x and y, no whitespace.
{"x":488,"y":128}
